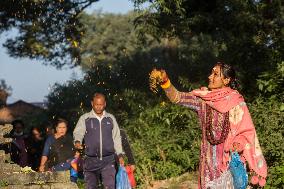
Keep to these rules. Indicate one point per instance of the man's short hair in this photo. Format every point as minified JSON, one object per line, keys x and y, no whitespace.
{"x":18,"y":121}
{"x":99,"y":95}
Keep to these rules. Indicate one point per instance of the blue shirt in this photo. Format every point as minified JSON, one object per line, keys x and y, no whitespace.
{"x":49,"y":141}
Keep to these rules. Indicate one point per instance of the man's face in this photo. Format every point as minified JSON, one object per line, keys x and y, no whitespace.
{"x":61,"y":129}
{"x":99,"y":105}
{"x":216,"y":79}
{"x":19,"y":128}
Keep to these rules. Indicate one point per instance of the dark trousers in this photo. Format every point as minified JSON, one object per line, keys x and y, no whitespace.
{"x":95,"y":169}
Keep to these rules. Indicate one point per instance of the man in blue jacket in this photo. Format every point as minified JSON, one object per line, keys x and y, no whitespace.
{"x":101,"y":136}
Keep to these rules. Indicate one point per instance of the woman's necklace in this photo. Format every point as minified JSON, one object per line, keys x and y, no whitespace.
{"x":209,"y":127}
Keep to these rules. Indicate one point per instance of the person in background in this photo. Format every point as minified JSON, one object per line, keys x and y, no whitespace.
{"x":18,"y":150}
{"x":130,"y":167}
{"x":75,"y":166}
{"x":35,"y":144}
{"x":127,"y":149}
{"x":101,"y":135}
{"x":49,"y":130}
{"x":58,"y":149}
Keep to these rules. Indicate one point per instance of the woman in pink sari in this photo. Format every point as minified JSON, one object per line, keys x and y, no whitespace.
{"x":226,"y":126}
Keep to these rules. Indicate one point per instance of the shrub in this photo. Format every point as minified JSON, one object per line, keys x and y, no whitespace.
{"x":269,"y":122}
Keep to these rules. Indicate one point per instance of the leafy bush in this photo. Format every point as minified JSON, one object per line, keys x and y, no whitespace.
{"x":276,"y":177}
{"x":165,"y":140}
{"x":269,"y":122}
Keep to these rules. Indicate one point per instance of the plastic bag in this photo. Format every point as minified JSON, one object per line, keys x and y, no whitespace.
{"x":122,"y":181}
{"x":131,"y":177}
{"x":239,"y":173}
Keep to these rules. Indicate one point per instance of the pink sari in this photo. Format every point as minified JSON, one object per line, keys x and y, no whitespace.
{"x":214,"y":159}
{"x":242,"y":130}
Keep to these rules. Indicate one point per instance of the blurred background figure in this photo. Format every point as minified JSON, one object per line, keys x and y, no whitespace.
{"x":58,"y":149}
{"x":18,"y":149}
{"x":49,"y":130}
{"x":35,"y":144}
{"x":74,"y":171}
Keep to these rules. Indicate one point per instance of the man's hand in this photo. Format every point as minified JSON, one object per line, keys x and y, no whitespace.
{"x":78,"y":145}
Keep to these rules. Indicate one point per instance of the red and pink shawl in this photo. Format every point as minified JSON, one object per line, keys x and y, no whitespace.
{"x":242,"y":130}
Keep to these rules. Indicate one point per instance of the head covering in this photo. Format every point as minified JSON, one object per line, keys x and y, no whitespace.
{"x":222,"y":100}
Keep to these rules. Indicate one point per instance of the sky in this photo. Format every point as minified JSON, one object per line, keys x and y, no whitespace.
{"x":30,"y":80}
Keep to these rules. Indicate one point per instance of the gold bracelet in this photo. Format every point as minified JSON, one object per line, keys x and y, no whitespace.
{"x":166,"y":85}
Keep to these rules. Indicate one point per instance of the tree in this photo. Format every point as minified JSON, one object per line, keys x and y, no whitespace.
{"x":5,"y":91}
{"x":47,"y":30}
{"x":108,"y":39}
{"x":247,"y":34}
{"x":113,"y":40}
{"x":164,"y":136}
{"x":270,"y":128}
{"x":271,"y":83}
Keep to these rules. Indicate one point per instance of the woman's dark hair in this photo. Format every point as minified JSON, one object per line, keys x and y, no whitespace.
{"x":35,"y":128}
{"x":228,"y":72}
{"x":61,"y":120}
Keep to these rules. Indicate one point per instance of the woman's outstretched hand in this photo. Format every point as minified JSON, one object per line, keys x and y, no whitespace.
{"x":157,"y":77}
{"x":164,"y":76}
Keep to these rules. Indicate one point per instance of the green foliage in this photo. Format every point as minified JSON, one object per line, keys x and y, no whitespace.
{"x":38,"y":119}
{"x":276,"y":177}
{"x":272,"y":82}
{"x":269,"y":123}
{"x":108,"y":39}
{"x":73,"y":98}
{"x":132,"y":57}
{"x":267,"y":111}
{"x":270,"y":128}
{"x":165,"y":139}
{"x":246,"y":34}
{"x":184,"y":37}
{"x":47,"y":30}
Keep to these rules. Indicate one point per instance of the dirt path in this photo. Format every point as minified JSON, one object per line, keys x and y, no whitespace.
{"x":185,"y":181}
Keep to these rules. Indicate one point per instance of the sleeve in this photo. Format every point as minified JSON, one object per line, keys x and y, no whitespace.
{"x":79,"y":131}
{"x":183,"y":98}
{"x":116,"y":137}
{"x":74,"y":164}
{"x":47,"y":146}
{"x":126,"y":148}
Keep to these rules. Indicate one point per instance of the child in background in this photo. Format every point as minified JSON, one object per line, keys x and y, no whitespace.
{"x":74,"y":167}
{"x":130,"y":167}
